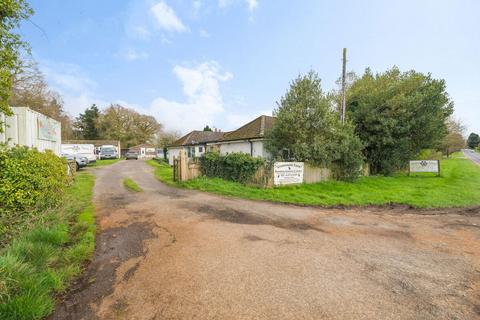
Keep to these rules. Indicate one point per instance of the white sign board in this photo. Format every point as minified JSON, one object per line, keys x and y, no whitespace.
{"x":287,"y":173}
{"x":425,"y":166}
{"x":47,"y":128}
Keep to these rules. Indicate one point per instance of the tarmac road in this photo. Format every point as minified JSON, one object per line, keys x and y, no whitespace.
{"x":472,"y":155}
{"x":168,"y":253}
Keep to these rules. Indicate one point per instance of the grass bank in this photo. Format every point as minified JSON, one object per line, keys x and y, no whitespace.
{"x":131,"y":185}
{"x":163,"y":171}
{"x":42,"y":261}
{"x":104,"y":162}
{"x":458,"y":186}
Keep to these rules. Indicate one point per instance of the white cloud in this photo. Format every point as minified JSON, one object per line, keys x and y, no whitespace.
{"x":204,"y":33}
{"x":72,"y":83}
{"x":140,"y":32}
{"x":133,"y":55}
{"x":204,"y":101}
{"x":224,"y":3}
{"x":166,"y":18}
{"x":252,"y":4}
{"x":236,"y":120}
{"x":197,"y":5}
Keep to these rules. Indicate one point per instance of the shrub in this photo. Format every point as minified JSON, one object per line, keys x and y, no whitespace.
{"x":30,"y":182}
{"x":429,"y":154}
{"x":347,"y":157}
{"x":310,"y":129}
{"x":238,"y":167}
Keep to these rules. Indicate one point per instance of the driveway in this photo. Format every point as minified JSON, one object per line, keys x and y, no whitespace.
{"x":168,"y":253}
{"x":472,"y":155}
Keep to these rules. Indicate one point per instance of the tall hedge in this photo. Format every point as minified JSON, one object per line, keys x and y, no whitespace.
{"x":238,"y":167}
{"x":30,"y":181}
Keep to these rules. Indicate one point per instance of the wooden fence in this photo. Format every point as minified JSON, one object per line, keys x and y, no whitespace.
{"x":185,"y":169}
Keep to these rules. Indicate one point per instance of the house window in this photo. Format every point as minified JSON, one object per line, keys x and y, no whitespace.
{"x":189,"y":152}
{"x":193,"y":152}
{"x":200,"y":149}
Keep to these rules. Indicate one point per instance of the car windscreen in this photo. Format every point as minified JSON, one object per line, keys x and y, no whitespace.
{"x":107,"y":150}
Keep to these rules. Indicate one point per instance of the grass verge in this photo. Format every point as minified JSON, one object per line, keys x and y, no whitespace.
{"x":45,"y":259}
{"x":131,"y":185}
{"x":163,"y":172}
{"x":459,"y":186}
{"x":105,"y":162}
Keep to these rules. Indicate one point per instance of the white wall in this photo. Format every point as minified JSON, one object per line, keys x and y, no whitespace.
{"x":256,"y":149}
{"x":237,"y":146}
{"x":173,"y":153}
{"x":22,"y":129}
{"x":199,"y":153}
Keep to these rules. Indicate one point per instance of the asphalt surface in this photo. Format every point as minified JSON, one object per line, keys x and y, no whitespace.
{"x":167,"y":253}
{"x":472,"y":155}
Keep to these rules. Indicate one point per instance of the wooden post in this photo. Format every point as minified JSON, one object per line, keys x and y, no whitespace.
{"x":183,"y":166}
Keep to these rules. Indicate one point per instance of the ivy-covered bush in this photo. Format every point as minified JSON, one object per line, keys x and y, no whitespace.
{"x":238,"y":167}
{"x":30,"y":181}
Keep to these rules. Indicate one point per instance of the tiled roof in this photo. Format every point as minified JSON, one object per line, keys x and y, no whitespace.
{"x":254,"y":129}
{"x":197,"y":137}
{"x":143,"y":145}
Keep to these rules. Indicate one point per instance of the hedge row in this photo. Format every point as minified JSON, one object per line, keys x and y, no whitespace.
{"x":30,"y":182}
{"x":238,"y":167}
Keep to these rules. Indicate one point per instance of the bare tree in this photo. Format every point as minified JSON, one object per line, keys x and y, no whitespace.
{"x":31,"y":90}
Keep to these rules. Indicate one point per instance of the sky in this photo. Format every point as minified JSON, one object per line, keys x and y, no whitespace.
{"x":223,"y":62}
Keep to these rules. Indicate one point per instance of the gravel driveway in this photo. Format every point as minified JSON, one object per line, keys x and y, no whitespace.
{"x":168,"y":253}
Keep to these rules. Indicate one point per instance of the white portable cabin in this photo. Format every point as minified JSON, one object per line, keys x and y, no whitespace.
{"x":32,"y":129}
{"x":85,"y":150}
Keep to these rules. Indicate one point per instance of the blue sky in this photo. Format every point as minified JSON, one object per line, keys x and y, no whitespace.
{"x":223,"y":62}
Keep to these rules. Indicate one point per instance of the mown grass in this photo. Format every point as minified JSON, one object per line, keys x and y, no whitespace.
{"x":131,"y":185}
{"x":43,"y":261}
{"x":104,"y":162}
{"x":163,"y":171}
{"x":458,"y":186}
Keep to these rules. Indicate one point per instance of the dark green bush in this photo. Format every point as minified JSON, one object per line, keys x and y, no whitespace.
{"x":238,"y":167}
{"x":30,"y":182}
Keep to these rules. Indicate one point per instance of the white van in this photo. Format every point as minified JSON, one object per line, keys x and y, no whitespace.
{"x":85,"y":150}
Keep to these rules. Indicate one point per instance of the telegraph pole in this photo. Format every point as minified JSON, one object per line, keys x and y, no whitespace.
{"x":344,"y":71}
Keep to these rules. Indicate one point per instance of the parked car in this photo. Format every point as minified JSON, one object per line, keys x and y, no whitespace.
{"x":80,"y":161}
{"x":108,"y":152}
{"x":131,"y":155}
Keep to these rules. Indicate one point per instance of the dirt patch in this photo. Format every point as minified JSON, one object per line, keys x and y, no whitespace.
{"x":114,"y":246}
{"x":461,"y":225}
{"x":245,"y":217}
{"x":130,"y":272}
{"x":252,"y":237}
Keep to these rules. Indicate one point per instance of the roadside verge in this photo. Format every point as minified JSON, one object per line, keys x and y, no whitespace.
{"x":459,"y":186}
{"x":42,"y":262}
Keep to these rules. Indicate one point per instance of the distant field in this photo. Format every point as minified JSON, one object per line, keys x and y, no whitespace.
{"x":458,"y":186}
